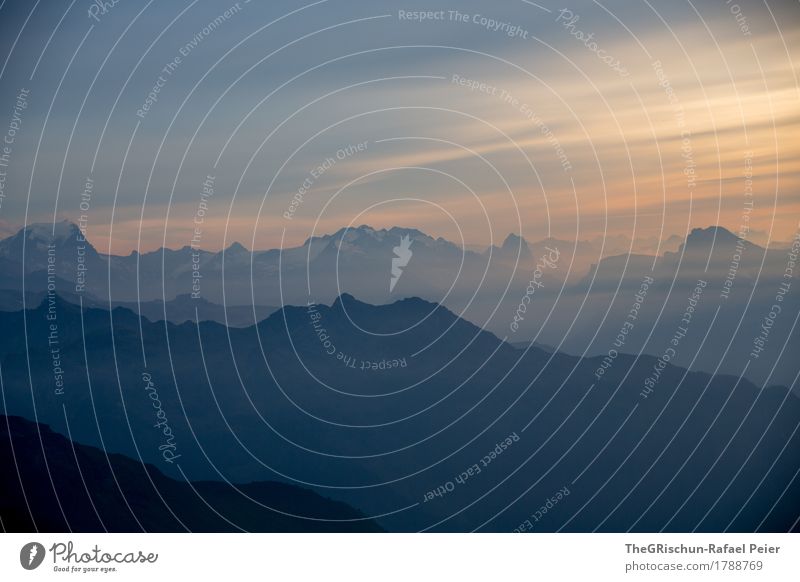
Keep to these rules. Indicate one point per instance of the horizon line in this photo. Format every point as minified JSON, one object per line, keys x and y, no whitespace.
{"x":469,"y":247}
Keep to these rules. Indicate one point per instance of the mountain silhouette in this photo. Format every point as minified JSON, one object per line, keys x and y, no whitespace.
{"x":378,"y":405}
{"x":578,"y":310}
{"x":52,"y":484}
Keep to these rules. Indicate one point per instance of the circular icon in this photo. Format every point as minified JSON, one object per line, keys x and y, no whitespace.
{"x":31,"y":555}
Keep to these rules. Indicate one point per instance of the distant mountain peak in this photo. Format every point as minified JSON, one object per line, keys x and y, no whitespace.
{"x":710,"y":233}
{"x":346,"y":300}
{"x":514,"y":244}
{"x":50,"y":231}
{"x":414,"y":300}
{"x":514,"y":241}
{"x":35,"y":238}
{"x":413,"y":232}
{"x":236,"y":247}
{"x":363,"y":235}
{"x":716,"y":235}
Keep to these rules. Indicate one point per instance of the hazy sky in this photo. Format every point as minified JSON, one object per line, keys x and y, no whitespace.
{"x":572,"y":120}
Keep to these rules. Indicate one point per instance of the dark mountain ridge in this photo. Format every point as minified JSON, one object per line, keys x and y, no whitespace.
{"x":52,"y":484}
{"x":376,"y":406}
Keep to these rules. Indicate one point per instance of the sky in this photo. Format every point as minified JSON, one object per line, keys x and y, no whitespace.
{"x":267,"y":123}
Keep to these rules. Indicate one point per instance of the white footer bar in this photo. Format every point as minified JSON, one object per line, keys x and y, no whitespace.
{"x":406,"y":557}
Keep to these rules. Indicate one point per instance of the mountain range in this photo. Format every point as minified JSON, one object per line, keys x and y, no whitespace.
{"x":60,"y":486}
{"x":165,"y":274}
{"x":414,"y":416}
{"x":579,"y":307}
